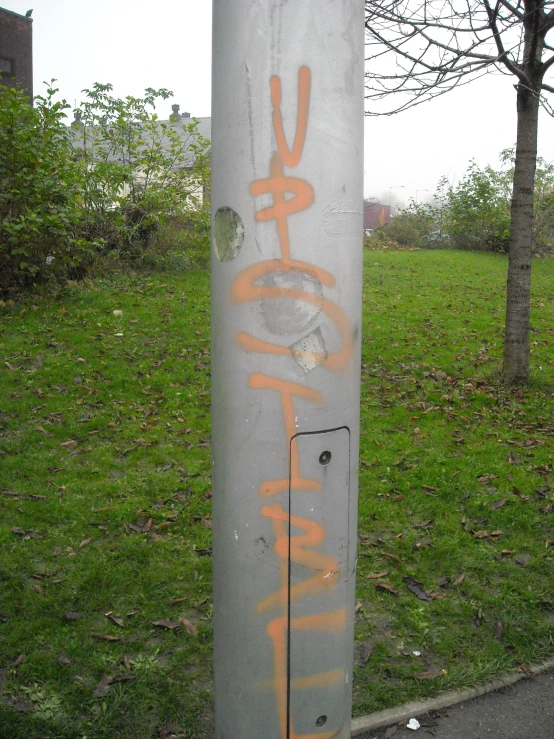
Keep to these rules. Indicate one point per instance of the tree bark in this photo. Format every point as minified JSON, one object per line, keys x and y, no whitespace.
{"x":518,"y":293}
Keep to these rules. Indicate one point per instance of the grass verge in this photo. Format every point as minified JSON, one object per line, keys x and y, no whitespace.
{"x":105,"y":575}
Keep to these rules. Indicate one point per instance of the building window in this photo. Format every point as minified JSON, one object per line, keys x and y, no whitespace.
{"x":6,"y":66}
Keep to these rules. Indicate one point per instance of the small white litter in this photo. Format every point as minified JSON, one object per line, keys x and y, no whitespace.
{"x":117,"y":312}
{"x":413,"y":724}
{"x":416,"y":654}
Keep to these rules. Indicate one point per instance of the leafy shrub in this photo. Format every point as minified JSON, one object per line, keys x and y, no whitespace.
{"x":478,"y":210}
{"x":140,"y":172}
{"x":40,"y":192}
{"x":416,"y":225}
{"x":474,"y":214}
{"x":120,"y":185}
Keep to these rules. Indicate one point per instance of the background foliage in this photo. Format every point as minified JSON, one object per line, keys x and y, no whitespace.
{"x":40,"y":191}
{"x":118,"y":185}
{"x":475,"y":213}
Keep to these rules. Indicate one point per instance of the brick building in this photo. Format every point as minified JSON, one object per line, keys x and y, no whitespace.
{"x":375,"y":215}
{"x":16,"y":50}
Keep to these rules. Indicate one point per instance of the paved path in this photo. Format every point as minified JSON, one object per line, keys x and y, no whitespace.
{"x":522,"y":711}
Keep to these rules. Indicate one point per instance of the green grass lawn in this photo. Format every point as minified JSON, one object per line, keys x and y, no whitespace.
{"x":105,"y":497}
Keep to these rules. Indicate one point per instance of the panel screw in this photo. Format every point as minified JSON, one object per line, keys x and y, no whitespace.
{"x":321,"y":721}
{"x":324,"y":457}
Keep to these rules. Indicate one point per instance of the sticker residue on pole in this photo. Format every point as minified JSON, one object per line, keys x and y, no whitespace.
{"x":228,"y":234}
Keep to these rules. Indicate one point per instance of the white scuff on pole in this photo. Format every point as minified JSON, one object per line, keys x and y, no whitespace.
{"x":287,"y":172}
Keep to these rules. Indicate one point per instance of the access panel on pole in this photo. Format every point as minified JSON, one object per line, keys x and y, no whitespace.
{"x":287,"y":171}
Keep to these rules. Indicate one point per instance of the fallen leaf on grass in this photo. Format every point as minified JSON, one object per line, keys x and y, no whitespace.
{"x":390,"y":556}
{"x":84,"y":543}
{"x":485,"y":478}
{"x":141,"y":526}
{"x":114,"y":619}
{"x":71,"y":444}
{"x":496,"y":533}
{"x":424,"y":524}
{"x":73,"y":615}
{"x":480,"y":534}
{"x":103,"y":688}
{"x":498,"y":504}
{"x":479,"y":618}
{"x":17,"y":661}
{"x":122,"y":679}
{"x":191,"y":628}
{"x":104,"y":637}
{"x":415,"y":587}
{"x":387,"y":587}
{"x":64,"y":661}
{"x":507,"y":552}
{"x":175,"y":601}
{"x":430,"y":673}
{"x":459,"y":580}
{"x":27,"y":533}
{"x":165,"y":624}
{"x":377,"y":575}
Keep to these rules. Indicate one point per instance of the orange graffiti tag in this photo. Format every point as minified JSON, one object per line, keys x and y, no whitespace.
{"x":291,"y":196}
{"x":292,"y":158}
{"x":326,"y":568}
{"x":278,"y":185}
{"x":258,"y":381}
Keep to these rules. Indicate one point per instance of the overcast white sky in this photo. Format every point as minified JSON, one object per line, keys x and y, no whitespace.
{"x":167,"y":43}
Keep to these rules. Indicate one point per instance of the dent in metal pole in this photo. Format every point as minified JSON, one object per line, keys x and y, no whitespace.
{"x":287,"y":168}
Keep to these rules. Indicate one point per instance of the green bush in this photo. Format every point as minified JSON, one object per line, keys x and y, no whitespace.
{"x":414,"y":226}
{"x":475,"y":214}
{"x":141,"y":173}
{"x":40,"y":192}
{"x":119,"y":186}
{"x":478,"y":210}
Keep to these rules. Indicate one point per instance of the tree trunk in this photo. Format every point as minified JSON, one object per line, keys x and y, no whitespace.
{"x":518,"y":295}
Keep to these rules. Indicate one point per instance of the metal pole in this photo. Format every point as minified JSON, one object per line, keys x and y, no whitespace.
{"x":391,"y":188}
{"x":287,"y":171}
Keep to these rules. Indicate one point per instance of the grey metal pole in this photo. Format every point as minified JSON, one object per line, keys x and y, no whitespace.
{"x":287,"y":170}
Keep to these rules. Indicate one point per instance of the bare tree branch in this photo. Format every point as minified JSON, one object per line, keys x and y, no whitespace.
{"x":419,"y":49}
